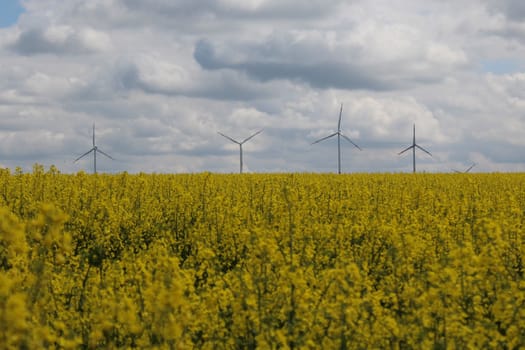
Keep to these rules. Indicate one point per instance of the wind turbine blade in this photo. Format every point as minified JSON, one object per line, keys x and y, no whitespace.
{"x":456,"y":171}
{"x":406,"y":149}
{"x":93,"y":135}
{"x":85,"y":154}
{"x":249,"y":138}
{"x":340,"y":114}
{"x":107,"y":155}
{"x":352,"y":142}
{"x":324,"y":138}
{"x":469,"y":169}
{"x":229,"y":138}
{"x":424,"y":150}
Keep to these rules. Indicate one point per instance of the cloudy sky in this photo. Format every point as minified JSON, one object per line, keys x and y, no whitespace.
{"x":160,"y":78}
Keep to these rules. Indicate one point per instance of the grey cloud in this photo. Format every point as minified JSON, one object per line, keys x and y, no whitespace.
{"x":150,"y":129}
{"x":516,"y":10}
{"x":131,"y":75}
{"x":59,"y":41}
{"x":172,"y":7}
{"x":30,"y":143}
{"x":499,"y":152}
{"x":187,"y":19}
{"x":508,"y":19}
{"x":127,"y":77}
{"x":360,"y":57}
{"x":512,"y":9}
{"x":204,"y":54}
{"x":33,"y":42}
{"x":319,"y":75}
{"x":239,"y":9}
{"x":317,"y":72}
{"x":198,"y":16}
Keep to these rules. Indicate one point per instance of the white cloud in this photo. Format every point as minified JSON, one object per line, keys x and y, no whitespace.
{"x":160,"y":78}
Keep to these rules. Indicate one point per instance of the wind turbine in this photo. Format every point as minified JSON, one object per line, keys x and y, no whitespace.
{"x":240,"y":143}
{"x":339,"y":135}
{"x":413,"y":147}
{"x":94,"y":149}
{"x":466,"y":171}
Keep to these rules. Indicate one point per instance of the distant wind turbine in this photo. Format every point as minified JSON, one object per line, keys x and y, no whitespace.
{"x":339,"y":135}
{"x":240,"y":143}
{"x":413,"y":148}
{"x":94,"y":149}
{"x":466,"y":171}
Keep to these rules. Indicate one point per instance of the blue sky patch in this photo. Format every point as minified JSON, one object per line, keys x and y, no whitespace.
{"x":10,"y":10}
{"x":501,"y":66}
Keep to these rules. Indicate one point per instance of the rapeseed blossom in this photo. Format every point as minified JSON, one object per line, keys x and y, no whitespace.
{"x":261,"y":261}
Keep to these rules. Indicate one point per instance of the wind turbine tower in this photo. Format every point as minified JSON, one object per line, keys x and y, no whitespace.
{"x":94,"y":149}
{"x":240,"y":143}
{"x":339,"y":134}
{"x":413,"y":148}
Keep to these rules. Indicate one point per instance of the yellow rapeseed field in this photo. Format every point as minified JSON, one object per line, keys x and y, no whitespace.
{"x":266,"y":261}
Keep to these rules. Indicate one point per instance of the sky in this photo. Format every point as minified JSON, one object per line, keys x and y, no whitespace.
{"x":160,"y":79}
